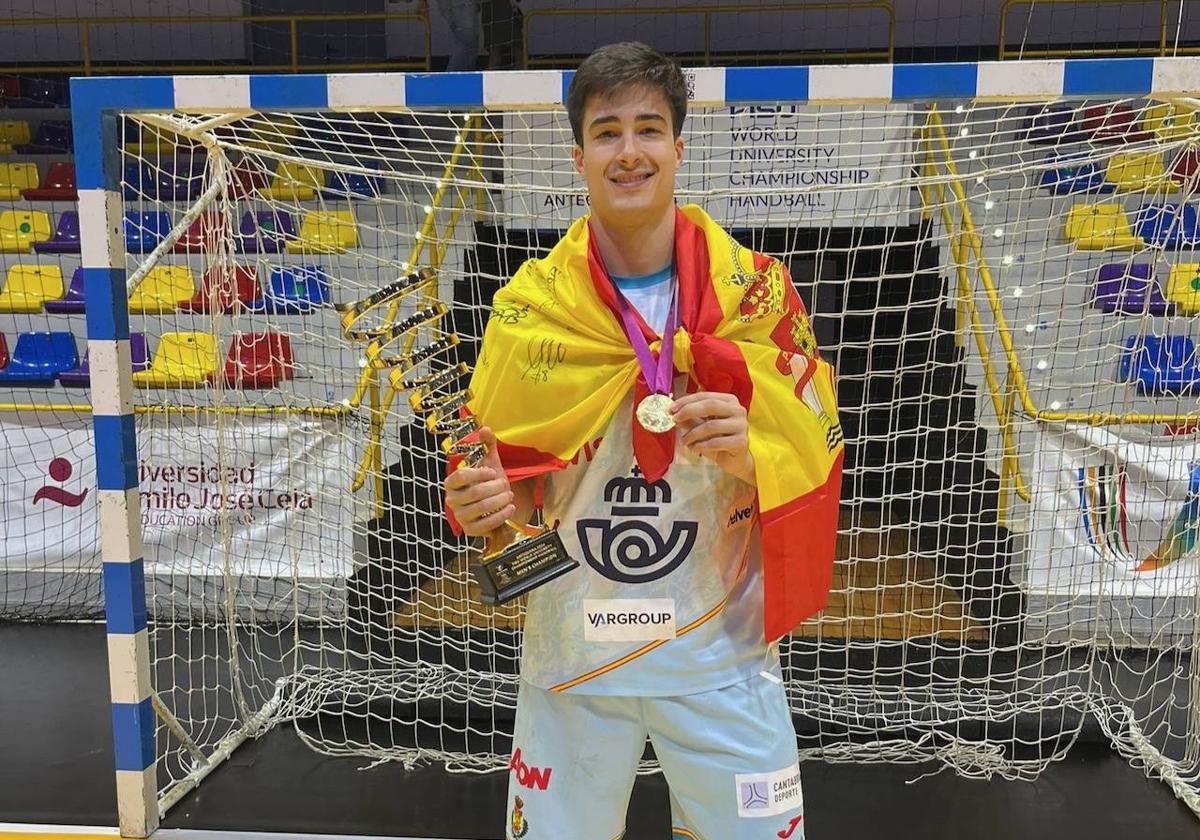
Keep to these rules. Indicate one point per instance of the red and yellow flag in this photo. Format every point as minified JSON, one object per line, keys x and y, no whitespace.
{"x":555,"y":364}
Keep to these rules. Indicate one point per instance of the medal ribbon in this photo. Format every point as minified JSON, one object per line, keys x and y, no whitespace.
{"x":658,"y":375}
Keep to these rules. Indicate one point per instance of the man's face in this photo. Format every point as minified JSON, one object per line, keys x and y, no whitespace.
{"x":629,"y":156}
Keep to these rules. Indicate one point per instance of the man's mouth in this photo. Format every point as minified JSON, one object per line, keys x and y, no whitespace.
{"x":630,"y":179}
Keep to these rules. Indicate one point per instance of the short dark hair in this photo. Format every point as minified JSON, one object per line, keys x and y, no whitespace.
{"x":627,"y":64}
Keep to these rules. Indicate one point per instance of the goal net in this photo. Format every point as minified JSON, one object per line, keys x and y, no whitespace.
{"x":1009,"y":294}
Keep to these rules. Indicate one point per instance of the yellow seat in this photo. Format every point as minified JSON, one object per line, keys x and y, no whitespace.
{"x":29,"y":286}
{"x":294,"y":182}
{"x":325,"y":233}
{"x":15,"y":177}
{"x":183,"y":360}
{"x":163,"y":289}
{"x":12,"y":133}
{"x":269,"y":135}
{"x":19,"y":229}
{"x":1183,"y":288}
{"x":1169,"y":121}
{"x":1100,"y":227}
{"x":149,"y":139}
{"x":1137,"y":172}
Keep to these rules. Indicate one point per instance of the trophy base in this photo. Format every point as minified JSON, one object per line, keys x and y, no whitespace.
{"x":524,"y":565}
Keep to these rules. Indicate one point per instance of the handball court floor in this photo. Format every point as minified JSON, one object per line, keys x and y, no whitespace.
{"x":56,"y":754}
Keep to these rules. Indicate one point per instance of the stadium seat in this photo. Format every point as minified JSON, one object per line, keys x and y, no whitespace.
{"x":10,"y":91}
{"x":1166,"y":225}
{"x":53,"y":137}
{"x":20,"y":229}
{"x":344,"y":186}
{"x":1115,"y":123}
{"x":1053,"y":123}
{"x":247,"y":180}
{"x":1183,"y":288}
{"x":1161,"y":364}
{"x":1185,"y":168}
{"x":162,"y":290}
{"x":27,"y":287}
{"x":182,"y":360}
{"x":12,"y":134}
{"x":179,"y":181}
{"x":271,"y":134}
{"x":1168,"y":121}
{"x":45,"y":92}
{"x":325,"y":232}
{"x":137,"y":181}
{"x":232,"y":293}
{"x":66,"y":236}
{"x":143,"y":139}
{"x":39,"y":357}
{"x":72,"y":301}
{"x":294,"y":182}
{"x":265,"y":232}
{"x":1099,"y":227}
{"x":259,"y":360}
{"x":1138,"y":172}
{"x":1128,"y":290}
{"x":58,"y":185}
{"x":81,"y":377}
{"x":1074,"y":177}
{"x":294,"y":290}
{"x":3,"y":352}
{"x":144,"y":230}
{"x":15,"y":178}
{"x":204,"y":231}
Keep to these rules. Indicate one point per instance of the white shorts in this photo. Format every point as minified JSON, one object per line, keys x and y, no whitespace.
{"x":729,"y":757}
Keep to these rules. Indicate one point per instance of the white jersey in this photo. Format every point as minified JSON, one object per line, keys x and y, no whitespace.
{"x":668,"y":596}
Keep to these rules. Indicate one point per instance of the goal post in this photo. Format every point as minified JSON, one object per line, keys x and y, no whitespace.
{"x":997,"y":257}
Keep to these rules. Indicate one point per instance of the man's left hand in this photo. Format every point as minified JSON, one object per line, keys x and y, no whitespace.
{"x":715,"y":426}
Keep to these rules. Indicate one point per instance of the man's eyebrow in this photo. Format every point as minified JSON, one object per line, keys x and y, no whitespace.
{"x":612,"y":118}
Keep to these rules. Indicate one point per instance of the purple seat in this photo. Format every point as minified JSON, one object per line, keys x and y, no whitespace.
{"x":1128,"y":290}
{"x":1052,"y":123}
{"x":265,"y":232}
{"x":53,"y":138}
{"x":81,"y":377}
{"x":66,"y":236}
{"x":181,"y":181}
{"x":72,"y":301}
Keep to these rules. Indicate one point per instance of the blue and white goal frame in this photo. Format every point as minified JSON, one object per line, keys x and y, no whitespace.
{"x":96,"y":104}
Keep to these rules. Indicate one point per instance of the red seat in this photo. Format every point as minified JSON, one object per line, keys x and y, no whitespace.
{"x":247,"y":180}
{"x":1185,"y":169}
{"x":3,"y":351}
{"x":205,"y":231}
{"x":58,"y":185}
{"x":234,"y":291}
{"x":259,"y":360}
{"x":1113,"y":124}
{"x":10,"y":89}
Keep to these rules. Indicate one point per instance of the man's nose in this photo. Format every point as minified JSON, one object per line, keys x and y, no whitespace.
{"x":628,"y":153}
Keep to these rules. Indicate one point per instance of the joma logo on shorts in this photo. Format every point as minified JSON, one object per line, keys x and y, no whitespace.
{"x":602,"y":619}
{"x":529,"y":777}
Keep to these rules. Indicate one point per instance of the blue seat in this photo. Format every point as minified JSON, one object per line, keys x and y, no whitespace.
{"x":39,"y":357}
{"x":294,"y":290}
{"x":144,"y":230}
{"x":53,"y":137}
{"x":1161,"y":364}
{"x":138,"y":181}
{"x":1075,"y":176}
{"x":1167,"y":226}
{"x":351,"y":185}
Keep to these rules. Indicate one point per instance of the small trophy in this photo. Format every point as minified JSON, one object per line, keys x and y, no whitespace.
{"x":537,"y":554}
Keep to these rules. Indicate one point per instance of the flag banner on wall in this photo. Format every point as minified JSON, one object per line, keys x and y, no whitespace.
{"x":267,"y":498}
{"x":1114,"y":514}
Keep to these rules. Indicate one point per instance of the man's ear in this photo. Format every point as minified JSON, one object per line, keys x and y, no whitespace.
{"x":679,"y":151}
{"x":577,"y":159}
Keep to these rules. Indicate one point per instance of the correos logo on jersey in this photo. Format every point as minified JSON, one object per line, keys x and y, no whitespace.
{"x":625,"y":547}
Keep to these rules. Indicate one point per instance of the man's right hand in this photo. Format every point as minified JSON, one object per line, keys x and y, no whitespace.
{"x":481,"y":497}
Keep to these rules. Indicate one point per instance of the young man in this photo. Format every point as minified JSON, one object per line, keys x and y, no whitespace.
{"x":657,"y":388}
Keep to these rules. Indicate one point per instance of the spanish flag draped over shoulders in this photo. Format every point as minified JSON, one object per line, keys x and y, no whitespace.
{"x":555,"y":364}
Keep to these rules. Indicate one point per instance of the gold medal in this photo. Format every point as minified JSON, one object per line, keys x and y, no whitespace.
{"x":654,"y":413}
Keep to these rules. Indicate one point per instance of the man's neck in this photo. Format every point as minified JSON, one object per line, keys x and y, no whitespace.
{"x":636,"y":251}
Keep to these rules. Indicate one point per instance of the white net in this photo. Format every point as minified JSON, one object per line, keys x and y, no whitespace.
{"x":1008,"y":293}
